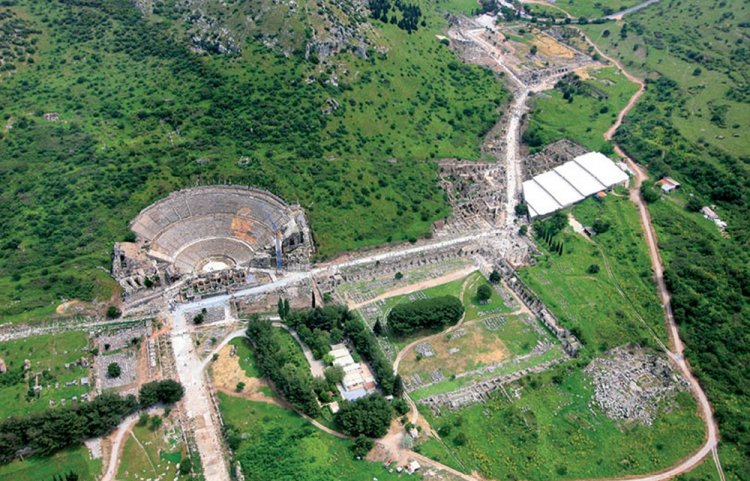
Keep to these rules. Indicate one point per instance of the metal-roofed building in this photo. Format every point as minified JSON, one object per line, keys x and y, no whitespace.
{"x":571,"y":182}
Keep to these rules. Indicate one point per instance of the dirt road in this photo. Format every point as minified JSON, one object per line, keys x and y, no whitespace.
{"x":676,"y":353}
{"x":114,"y":458}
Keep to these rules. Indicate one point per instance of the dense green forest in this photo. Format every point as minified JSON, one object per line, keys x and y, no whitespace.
{"x":139,"y":114}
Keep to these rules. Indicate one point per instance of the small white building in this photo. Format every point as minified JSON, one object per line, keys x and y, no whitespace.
{"x":358,"y":378}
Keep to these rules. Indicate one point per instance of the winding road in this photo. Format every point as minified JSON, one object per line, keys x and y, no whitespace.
{"x":677,"y":348}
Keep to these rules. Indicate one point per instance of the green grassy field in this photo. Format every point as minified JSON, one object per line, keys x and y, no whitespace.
{"x":552,"y":432}
{"x":150,"y":456}
{"x":75,"y":460}
{"x":670,"y":41}
{"x":246,"y":356}
{"x":591,"y":304}
{"x":594,"y":8}
{"x":274,"y":443}
{"x":138,"y":111}
{"x":46,"y":352}
{"x":551,"y":114}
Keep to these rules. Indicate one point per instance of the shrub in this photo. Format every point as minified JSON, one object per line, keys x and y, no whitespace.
{"x":361,"y":446}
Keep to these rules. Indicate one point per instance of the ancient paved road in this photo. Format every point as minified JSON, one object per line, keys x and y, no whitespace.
{"x":199,"y":409}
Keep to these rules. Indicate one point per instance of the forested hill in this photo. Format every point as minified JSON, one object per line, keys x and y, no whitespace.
{"x":692,"y":123}
{"x":137,"y":109}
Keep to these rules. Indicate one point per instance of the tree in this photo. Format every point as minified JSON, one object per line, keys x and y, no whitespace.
{"x":113,"y":312}
{"x":369,"y":416}
{"x":113,"y":370}
{"x":378,"y":328}
{"x":186,"y":466}
{"x":522,"y":209}
{"x":334,"y":374}
{"x":495,"y":277}
{"x":484,"y":293}
{"x":593,"y":269}
{"x":428,"y":313}
{"x":240,"y":386}
{"x":523,"y":230}
{"x":361,"y":446}
{"x":694,"y":204}
{"x":399,"y":276}
{"x":649,"y":193}
{"x":143,"y":419}
{"x":398,"y":386}
{"x":280,"y":308}
{"x":167,"y":392}
{"x":156,"y":422}
{"x":198,"y":319}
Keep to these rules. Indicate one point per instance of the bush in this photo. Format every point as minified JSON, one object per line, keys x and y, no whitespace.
{"x":600,"y":226}
{"x":274,"y":361}
{"x":361,"y":446}
{"x":431,"y":313}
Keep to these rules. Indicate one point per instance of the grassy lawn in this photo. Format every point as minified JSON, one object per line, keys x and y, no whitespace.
{"x":475,"y":309}
{"x":246,"y":356}
{"x":75,"y":460}
{"x":151,"y":456}
{"x":552,"y":432}
{"x":551,"y":114}
{"x":274,"y":443}
{"x":590,"y":303}
{"x":46,"y":352}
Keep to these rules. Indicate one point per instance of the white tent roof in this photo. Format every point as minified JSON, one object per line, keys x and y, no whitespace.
{"x":540,"y":201}
{"x":581,"y":180}
{"x":558,"y":187}
{"x":602,"y":168}
{"x":571,"y":182}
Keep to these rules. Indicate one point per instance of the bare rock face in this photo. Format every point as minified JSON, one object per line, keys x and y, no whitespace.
{"x":319,"y":28}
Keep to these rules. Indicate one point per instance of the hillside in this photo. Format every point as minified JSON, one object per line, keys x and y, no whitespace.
{"x":149,"y":97}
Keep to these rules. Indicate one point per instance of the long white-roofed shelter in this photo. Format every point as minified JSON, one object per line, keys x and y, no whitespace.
{"x":571,"y":182}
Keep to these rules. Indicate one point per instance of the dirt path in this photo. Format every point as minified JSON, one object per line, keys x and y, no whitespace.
{"x":419,"y":286}
{"x":117,"y":444}
{"x":676,"y":353}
